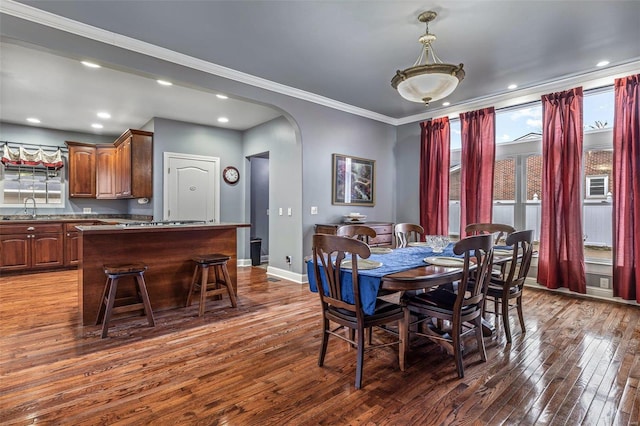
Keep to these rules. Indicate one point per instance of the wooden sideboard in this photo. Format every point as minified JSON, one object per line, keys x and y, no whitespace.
{"x":384,"y":231}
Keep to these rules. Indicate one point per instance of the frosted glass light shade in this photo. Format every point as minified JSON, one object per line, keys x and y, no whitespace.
{"x":427,"y":83}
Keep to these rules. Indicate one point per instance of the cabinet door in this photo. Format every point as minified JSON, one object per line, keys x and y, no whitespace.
{"x":47,"y":250}
{"x":125,"y":168}
{"x":82,"y":171}
{"x":71,"y":252}
{"x":106,"y":172}
{"x":14,"y":252}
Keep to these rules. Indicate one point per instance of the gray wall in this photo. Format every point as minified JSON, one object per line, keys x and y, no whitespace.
{"x":278,"y":138}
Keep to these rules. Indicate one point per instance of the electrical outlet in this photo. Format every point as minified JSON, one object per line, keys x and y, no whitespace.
{"x":604,"y":282}
{"x":288,"y":259}
{"x":314,"y":209}
{"x":86,"y":210}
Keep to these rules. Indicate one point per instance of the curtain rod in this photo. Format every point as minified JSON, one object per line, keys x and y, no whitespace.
{"x":30,"y":146}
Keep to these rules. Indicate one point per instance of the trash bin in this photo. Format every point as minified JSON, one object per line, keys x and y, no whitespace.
{"x":256,"y":248}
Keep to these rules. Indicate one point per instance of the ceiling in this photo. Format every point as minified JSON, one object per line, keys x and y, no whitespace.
{"x":341,"y":51}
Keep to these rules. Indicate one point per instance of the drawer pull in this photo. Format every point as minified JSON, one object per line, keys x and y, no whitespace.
{"x":31,"y":228}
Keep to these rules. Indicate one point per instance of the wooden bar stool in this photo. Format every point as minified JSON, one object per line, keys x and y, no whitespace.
{"x":220,"y":286}
{"x":110,"y":305}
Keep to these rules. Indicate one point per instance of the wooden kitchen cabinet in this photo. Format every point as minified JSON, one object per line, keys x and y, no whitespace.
{"x":31,"y":246}
{"x":384,"y":231}
{"x":106,"y":172}
{"x":82,"y":170}
{"x":134,"y":159}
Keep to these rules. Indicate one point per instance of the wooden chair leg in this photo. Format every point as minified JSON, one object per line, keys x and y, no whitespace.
{"x":111,"y":299}
{"x":229,"y":285}
{"x":325,"y":341}
{"x":203,"y":289}
{"x":360,"y":359}
{"x":520,"y":314}
{"x":102,"y":302}
{"x":142,"y":289}
{"x":457,"y":349}
{"x":505,"y":319}
{"x":192,"y":287}
{"x":480,"y":338}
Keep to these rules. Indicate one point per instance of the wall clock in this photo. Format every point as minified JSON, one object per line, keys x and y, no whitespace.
{"x":231,"y":175}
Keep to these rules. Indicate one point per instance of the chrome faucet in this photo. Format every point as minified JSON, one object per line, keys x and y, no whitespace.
{"x":33,"y":215}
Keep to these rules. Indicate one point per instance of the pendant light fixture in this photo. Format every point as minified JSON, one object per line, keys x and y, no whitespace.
{"x":429,"y":79}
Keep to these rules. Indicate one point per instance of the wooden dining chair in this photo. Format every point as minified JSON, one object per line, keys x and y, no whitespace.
{"x":407,"y":232}
{"x":510,"y":287}
{"x":359,"y":232}
{"x":462,"y":310}
{"x":499,"y":230}
{"x":329,"y":254}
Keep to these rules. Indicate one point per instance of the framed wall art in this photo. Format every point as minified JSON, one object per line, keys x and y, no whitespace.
{"x":353,"y":181}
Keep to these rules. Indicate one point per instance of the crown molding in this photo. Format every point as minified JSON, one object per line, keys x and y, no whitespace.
{"x":588,"y":80}
{"x":51,"y":20}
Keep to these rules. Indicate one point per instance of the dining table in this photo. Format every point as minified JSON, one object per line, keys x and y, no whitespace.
{"x":416,"y":267}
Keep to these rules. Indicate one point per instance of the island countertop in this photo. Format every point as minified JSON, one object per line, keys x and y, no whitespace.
{"x":167,"y":250}
{"x":176,"y":226}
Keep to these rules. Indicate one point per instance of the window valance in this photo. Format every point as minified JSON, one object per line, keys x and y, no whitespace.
{"x":23,"y":156}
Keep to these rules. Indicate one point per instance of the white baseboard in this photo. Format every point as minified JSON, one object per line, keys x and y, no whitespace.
{"x":243,"y":262}
{"x":287,"y":275}
{"x":592,"y":292}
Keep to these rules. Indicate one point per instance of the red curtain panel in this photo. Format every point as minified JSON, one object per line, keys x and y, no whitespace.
{"x":561,"y":257}
{"x":626,"y":189}
{"x":476,"y":169}
{"x":434,"y":176}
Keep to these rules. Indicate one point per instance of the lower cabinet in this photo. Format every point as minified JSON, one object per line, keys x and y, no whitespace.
{"x":37,"y":246}
{"x":384,"y":231}
{"x":41,"y":245}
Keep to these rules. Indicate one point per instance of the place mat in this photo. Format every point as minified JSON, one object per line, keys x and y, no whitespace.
{"x":455,"y":262}
{"x":362,"y":264}
{"x":418,"y":244}
{"x":380,"y":250}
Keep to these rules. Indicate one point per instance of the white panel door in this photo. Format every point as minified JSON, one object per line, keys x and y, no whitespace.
{"x":191,"y":187}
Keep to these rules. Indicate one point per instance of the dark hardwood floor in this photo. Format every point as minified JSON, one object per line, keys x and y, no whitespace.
{"x":578,"y":363}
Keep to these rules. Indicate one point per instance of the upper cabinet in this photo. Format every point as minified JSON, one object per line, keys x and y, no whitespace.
{"x":106,"y":172}
{"x":121,"y":170}
{"x":134,"y":157}
{"x":82,"y":170}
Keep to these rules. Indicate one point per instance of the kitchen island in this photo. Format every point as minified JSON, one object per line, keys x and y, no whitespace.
{"x":165,"y":247}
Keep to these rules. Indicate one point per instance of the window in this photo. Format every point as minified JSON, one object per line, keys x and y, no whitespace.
{"x":44,"y":184}
{"x":597,"y":186}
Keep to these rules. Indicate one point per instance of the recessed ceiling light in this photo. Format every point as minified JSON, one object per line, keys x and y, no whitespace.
{"x":221,"y":96}
{"x":90,"y":64}
{"x":97,"y":126}
{"x":512,"y":86}
{"x":165,"y":83}
{"x":446,"y":103}
{"x":223,"y":120}
{"x":104,"y":115}
{"x":33,"y":120}
{"x":602,"y":63}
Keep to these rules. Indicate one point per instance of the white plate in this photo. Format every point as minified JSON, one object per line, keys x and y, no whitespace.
{"x":380,"y":250}
{"x":418,"y":244}
{"x":455,"y":262}
{"x":362,"y":264}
